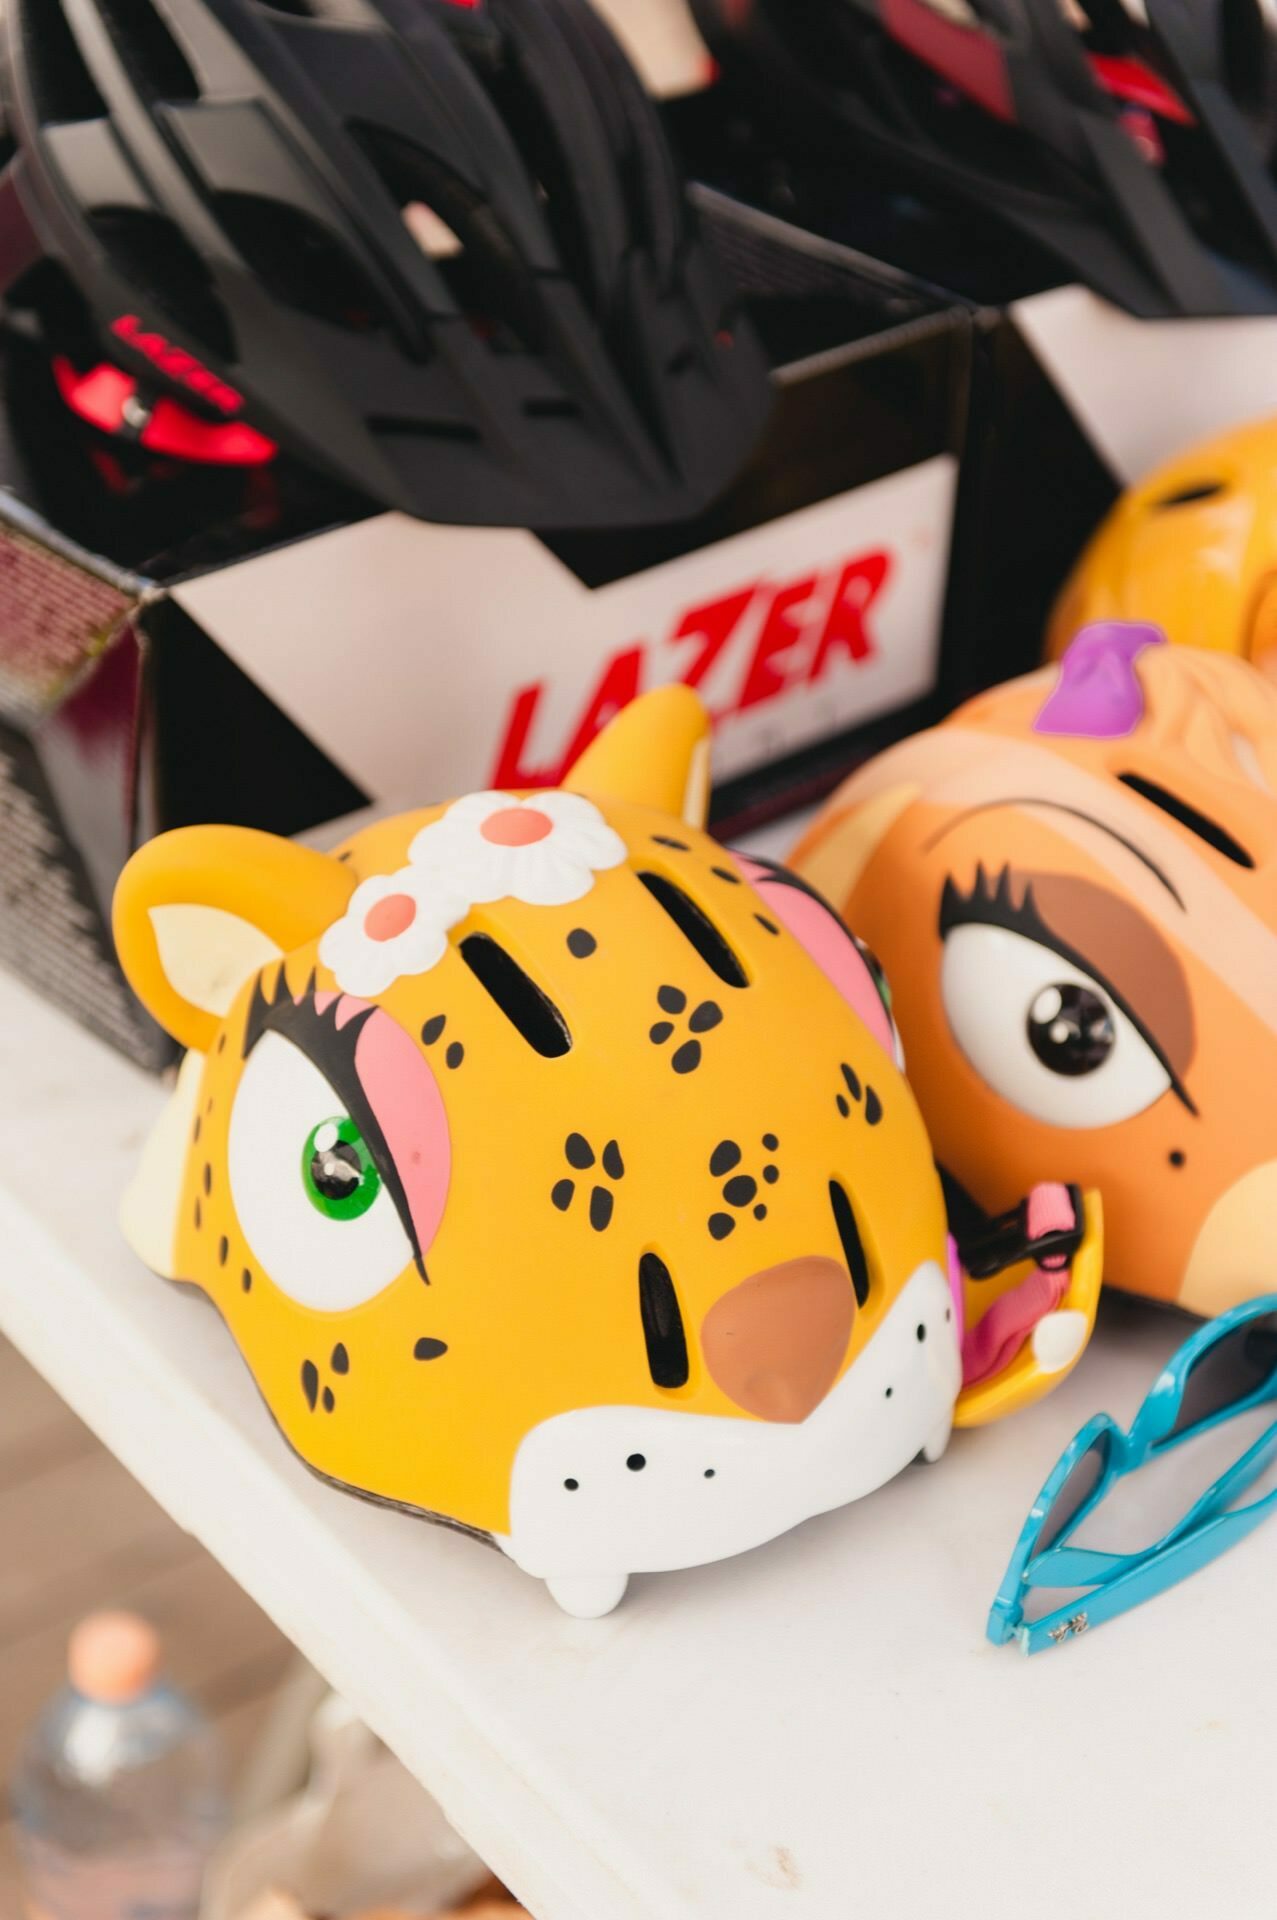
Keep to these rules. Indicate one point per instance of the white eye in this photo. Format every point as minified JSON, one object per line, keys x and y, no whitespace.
{"x":309,"y":1198}
{"x":1045,"y":1035}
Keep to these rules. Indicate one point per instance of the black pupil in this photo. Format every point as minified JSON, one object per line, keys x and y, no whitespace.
{"x":335,"y":1171}
{"x":1071,"y":1029}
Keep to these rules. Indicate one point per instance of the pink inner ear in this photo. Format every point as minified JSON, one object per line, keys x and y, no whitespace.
{"x":409,"y":1107}
{"x":829,"y":945}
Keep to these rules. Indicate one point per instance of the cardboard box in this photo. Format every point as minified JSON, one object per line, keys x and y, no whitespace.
{"x":254,"y":647}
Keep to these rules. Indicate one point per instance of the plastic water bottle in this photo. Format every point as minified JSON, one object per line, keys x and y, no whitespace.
{"x":118,"y":1794}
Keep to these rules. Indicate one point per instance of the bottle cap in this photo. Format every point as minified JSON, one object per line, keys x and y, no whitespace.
{"x":113,"y":1657}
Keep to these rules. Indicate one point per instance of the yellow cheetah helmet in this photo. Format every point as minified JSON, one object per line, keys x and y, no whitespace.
{"x":552,"y":1167}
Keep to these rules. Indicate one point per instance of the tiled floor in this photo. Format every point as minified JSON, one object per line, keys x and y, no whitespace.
{"x":76,"y":1532}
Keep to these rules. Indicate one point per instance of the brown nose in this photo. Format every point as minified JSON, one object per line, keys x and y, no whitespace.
{"x":774,"y":1344}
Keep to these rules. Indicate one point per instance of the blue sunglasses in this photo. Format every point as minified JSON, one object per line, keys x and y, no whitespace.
{"x":1225,"y":1368}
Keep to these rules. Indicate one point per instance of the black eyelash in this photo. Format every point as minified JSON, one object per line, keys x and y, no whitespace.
{"x":991,"y":903}
{"x":315,"y":1033}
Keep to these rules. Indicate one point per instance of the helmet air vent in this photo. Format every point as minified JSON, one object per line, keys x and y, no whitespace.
{"x":697,"y":929}
{"x":517,"y":994}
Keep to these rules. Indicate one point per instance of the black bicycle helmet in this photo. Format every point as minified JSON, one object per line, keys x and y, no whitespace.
{"x":1132,"y":139}
{"x":440,"y":251}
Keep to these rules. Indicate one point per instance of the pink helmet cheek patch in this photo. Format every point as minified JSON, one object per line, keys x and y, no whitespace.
{"x":405,"y":1097}
{"x":827,"y":941}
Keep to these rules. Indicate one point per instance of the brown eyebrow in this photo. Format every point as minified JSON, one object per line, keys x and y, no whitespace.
{"x":1128,"y":951}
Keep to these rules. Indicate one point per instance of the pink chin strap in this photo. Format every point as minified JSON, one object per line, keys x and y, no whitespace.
{"x":994,"y":1342}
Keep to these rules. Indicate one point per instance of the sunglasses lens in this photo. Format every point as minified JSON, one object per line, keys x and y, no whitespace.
{"x":1229,"y":1372}
{"x":1076,"y":1491}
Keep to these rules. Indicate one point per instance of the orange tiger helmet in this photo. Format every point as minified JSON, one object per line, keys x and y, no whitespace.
{"x":1072,"y":886}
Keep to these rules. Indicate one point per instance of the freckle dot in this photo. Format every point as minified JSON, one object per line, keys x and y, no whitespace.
{"x":571,"y":1485}
{"x":1177,"y":1157}
{"x":636,"y":1462}
{"x":709,"y":1473}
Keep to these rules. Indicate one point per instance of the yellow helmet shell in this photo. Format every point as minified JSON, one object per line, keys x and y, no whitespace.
{"x":551,"y":1166}
{"x":1193,"y":549}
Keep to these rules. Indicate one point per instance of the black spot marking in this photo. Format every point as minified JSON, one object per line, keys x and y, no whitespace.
{"x":873,"y":1107}
{"x":208,"y":1178}
{"x":688,"y":1057}
{"x":771,"y":1174}
{"x":223,"y":1248}
{"x":455,"y":1055}
{"x":580,"y":1154}
{"x":720,"y":1225}
{"x":768,"y":926}
{"x":561,"y":1194}
{"x":433,"y":1028}
{"x":1177,"y":1156}
{"x":920,"y":1332}
{"x":671,"y":999}
{"x":199,"y":1124}
{"x":725,"y":873}
{"x":340,"y":1359}
{"x":427,"y":1349}
{"x":760,"y":1211}
{"x":330,"y":1400}
{"x":310,"y":1383}
{"x":770,"y":1142}
{"x":246,"y":1280}
{"x":665,"y":840}
{"x":853,"y":1081}
{"x":613,"y":1165}
{"x":660,"y":1033}
{"x":725,"y":1156}
{"x":581,"y":944}
{"x":889,"y":1392}
{"x":571,"y":1485}
{"x":709,"y":1473}
{"x":705,"y":1017}
{"x":844,"y":1106}
{"x":600,"y":1209}
{"x":221,"y":1043}
{"x":199,"y":1214}
{"x":740,"y":1190}
{"x":344,"y":854}
{"x":636,"y":1462}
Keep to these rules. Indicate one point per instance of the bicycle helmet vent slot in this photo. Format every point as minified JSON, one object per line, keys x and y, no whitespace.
{"x":663,"y":1329}
{"x":150,"y":253}
{"x":61,"y":83}
{"x":853,"y":1249}
{"x":155,"y":62}
{"x":697,"y":929}
{"x":301,"y":264}
{"x":520,"y":999}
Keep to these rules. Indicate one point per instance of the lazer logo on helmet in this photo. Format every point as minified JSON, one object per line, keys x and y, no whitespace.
{"x":176,"y":363}
{"x":758,"y":642}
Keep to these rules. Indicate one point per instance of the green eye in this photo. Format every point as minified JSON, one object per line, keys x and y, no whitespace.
{"x":338,"y":1173}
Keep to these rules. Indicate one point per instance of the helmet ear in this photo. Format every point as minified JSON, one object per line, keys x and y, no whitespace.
{"x":199,"y":910}
{"x":654,"y":754}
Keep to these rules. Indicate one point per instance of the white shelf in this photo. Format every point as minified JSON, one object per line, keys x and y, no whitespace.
{"x":816,"y":1731}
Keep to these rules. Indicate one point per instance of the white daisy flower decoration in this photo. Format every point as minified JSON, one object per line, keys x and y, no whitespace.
{"x":544,"y":850}
{"x":395,"y":924}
